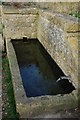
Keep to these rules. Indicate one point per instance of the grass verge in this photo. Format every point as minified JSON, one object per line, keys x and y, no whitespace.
{"x":76,"y":14}
{"x":7,"y":81}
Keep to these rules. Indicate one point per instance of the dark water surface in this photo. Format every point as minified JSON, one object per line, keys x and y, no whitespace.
{"x":38,"y":71}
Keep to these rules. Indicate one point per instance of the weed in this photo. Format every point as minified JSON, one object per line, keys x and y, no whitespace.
{"x":76,"y":14}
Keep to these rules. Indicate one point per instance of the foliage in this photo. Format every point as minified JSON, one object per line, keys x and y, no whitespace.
{"x":76,"y":14}
{"x":4,"y":3}
{"x":2,"y":27}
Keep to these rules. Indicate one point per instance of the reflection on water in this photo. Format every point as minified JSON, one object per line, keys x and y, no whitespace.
{"x":38,"y":71}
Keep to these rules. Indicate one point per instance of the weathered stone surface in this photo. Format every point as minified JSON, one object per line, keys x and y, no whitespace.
{"x":72,"y":26}
{"x":60,"y":7}
{"x":11,"y":10}
{"x":18,"y":26}
{"x":35,"y":106}
{"x":62,"y":46}
{"x":59,"y":35}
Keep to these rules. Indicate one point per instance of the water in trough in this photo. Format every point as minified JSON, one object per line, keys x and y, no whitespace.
{"x":38,"y":70}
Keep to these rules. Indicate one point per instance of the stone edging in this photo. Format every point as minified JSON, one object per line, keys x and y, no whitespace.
{"x":34,"y":106}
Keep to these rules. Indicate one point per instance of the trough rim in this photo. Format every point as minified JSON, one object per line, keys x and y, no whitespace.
{"x":22,"y":101}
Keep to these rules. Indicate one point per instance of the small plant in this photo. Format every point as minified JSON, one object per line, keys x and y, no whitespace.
{"x":2,"y":27}
{"x":4,"y":3}
{"x":76,"y":14}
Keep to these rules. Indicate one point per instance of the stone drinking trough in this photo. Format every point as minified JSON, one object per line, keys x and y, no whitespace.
{"x":59,"y":36}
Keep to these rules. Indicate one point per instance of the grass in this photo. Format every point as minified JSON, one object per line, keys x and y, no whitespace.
{"x":2,"y":27}
{"x":76,"y":14}
{"x":11,"y":107}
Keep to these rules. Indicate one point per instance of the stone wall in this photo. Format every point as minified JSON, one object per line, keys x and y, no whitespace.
{"x":60,"y":7}
{"x":58,"y":33}
{"x":18,"y":25}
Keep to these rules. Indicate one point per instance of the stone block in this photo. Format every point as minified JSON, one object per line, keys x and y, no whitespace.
{"x":72,"y":27}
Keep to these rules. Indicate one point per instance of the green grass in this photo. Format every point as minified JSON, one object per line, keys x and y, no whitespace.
{"x":76,"y":14}
{"x":4,"y":3}
{"x":2,"y":27}
{"x":11,"y":108}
